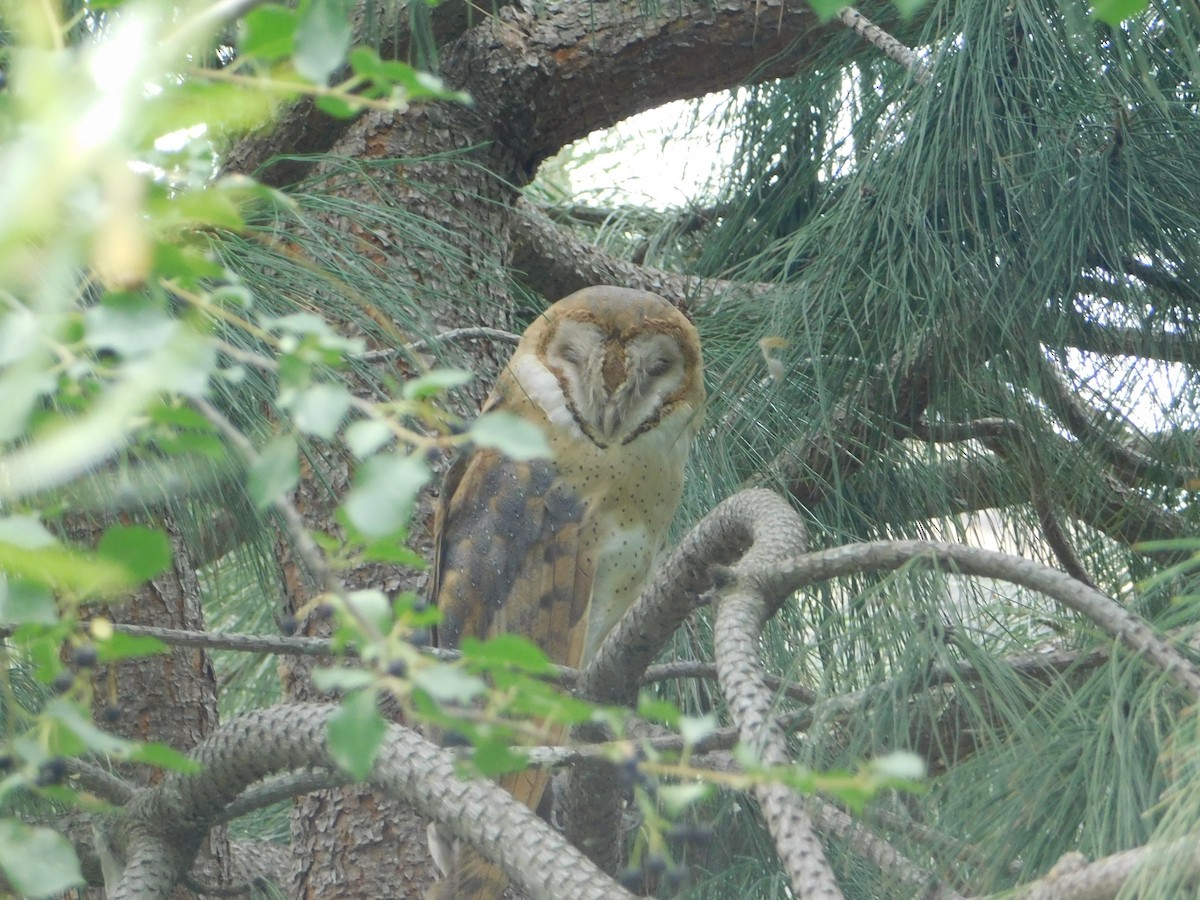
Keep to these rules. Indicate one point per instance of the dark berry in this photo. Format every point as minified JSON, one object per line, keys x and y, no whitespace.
{"x":62,"y":682}
{"x":655,"y":864}
{"x":287,"y":625}
{"x":85,"y":656}
{"x":398,"y":668}
{"x":631,"y":879}
{"x":112,"y":713}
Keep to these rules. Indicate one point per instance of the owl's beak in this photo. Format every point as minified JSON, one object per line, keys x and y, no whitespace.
{"x":613,"y":416}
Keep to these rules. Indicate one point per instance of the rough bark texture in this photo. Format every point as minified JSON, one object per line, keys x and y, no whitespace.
{"x":169,"y":698}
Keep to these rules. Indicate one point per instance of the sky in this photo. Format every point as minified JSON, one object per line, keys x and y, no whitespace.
{"x":664,"y":158}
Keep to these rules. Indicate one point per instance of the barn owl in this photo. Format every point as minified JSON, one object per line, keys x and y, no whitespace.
{"x":557,"y":549}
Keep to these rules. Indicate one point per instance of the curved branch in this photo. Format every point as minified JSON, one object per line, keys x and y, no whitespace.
{"x":160,"y":830}
{"x":875,"y":556}
{"x":740,"y":525}
{"x":1111,"y":340}
{"x":742,"y":610}
{"x":1073,"y":878}
{"x":1083,"y":422}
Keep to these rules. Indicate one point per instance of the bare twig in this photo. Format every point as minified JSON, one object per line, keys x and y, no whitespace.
{"x":877,"y":37}
{"x":496,"y":335}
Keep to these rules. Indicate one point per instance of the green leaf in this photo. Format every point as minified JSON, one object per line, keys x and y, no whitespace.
{"x":385,"y":494}
{"x":275,"y":472}
{"x":26,"y":601}
{"x":393,"y":551}
{"x":187,"y":265}
{"x":434,"y":382}
{"x":675,"y":798}
{"x":658,"y":710}
{"x":337,"y":107}
{"x":268,"y":32}
{"x":1116,"y":11}
{"x":179,"y":416}
{"x":322,"y":39}
{"x":127,"y":646}
{"x":898,"y":766}
{"x":163,"y":757}
{"x":448,"y":683}
{"x":494,"y":757}
{"x":64,"y":569}
{"x":319,"y":410}
{"x":696,"y":728}
{"x":511,"y":435}
{"x":909,"y":7}
{"x":142,"y":552}
{"x":366,"y":436}
{"x":509,"y":650}
{"x":373,"y":605}
{"x":827,"y":9}
{"x":133,"y":330}
{"x":25,"y":531}
{"x":37,"y":862}
{"x":341,"y":680}
{"x":68,"y":717}
{"x":208,"y":207}
{"x":356,"y":731}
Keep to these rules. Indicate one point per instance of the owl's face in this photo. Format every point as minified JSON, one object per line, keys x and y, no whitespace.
{"x":611,"y":363}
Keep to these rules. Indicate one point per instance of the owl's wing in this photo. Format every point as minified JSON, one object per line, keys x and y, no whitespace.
{"x":513,"y":555}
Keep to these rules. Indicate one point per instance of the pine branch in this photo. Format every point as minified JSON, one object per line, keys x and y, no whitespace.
{"x":1103,"y":611}
{"x":158,"y":833}
{"x":894,"y":49}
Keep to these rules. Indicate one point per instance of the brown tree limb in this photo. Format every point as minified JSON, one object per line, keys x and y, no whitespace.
{"x":974,"y":483}
{"x":1085,"y":424}
{"x":158,"y":832}
{"x":733,"y":530}
{"x":1073,"y":878}
{"x":742,"y":610}
{"x":1110,"y":340}
{"x":554,"y":261}
{"x":1103,"y":611}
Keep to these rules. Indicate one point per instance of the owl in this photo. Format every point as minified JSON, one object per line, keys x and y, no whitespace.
{"x":556,"y":549}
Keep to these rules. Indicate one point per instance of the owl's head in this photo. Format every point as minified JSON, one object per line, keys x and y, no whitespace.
{"x":612,"y":363}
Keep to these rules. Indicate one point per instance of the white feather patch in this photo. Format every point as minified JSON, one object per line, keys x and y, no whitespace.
{"x":543,"y":389}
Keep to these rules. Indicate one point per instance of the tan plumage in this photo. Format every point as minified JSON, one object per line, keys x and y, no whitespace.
{"x":557,"y":549}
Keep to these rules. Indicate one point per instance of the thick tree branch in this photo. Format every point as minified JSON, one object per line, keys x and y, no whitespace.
{"x":548,"y":79}
{"x":742,"y":610}
{"x":160,"y":829}
{"x":975,"y":483}
{"x":1073,"y":878}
